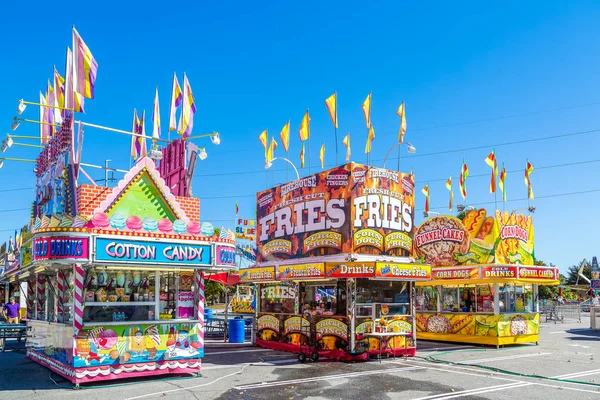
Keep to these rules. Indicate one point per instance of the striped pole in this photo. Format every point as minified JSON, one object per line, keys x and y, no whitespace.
{"x":200,"y":306}
{"x":41,"y":297}
{"x":30,"y":299}
{"x":60,"y":288}
{"x":78,"y":299}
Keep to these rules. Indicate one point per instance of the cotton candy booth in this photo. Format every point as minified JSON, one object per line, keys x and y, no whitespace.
{"x":117,"y":289}
{"x":484,"y":286}
{"x":334,"y":272}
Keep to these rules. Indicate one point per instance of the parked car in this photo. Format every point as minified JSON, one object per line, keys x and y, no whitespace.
{"x":585,"y":305}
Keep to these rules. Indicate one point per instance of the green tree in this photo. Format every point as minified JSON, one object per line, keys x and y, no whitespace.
{"x":547,"y":292}
{"x":212,"y":291}
{"x":573,"y":273}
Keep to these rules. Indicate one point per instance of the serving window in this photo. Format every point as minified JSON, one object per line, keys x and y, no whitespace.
{"x":279,"y":298}
{"x":426,"y":298}
{"x":120,"y":295}
{"x":377,"y":299}
{"x":516,"y":298}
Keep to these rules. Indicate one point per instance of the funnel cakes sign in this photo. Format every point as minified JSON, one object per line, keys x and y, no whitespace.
{"x":348,"y":209}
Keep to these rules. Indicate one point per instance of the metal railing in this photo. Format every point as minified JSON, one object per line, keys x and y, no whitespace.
{"x":558,"y":312}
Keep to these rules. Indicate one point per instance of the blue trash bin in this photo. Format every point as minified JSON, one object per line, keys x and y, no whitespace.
{"x":208,"y":314}
{"x":236,"y":330}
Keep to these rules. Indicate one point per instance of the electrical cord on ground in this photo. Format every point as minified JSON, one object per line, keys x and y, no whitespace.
{"x":433,"y":359}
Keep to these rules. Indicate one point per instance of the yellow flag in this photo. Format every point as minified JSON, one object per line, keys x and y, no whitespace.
{"x":366,"y":107}
{"x":302,"y":156}
{"x":370,"y":139}
{"x":304,"y":131}
{"x":331,"y":103}
{"x":346,"y":143}
{"x":271,"y":150}
{"x":402,"y":114}
{"x":284,"y":135}
{"x":322,"y":155}
{"x":264,"y":137}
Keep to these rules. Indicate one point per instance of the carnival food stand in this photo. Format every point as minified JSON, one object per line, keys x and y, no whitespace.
{"x":484,"y":286}
{"x":116,"y":281}
{"x":334,"y":272}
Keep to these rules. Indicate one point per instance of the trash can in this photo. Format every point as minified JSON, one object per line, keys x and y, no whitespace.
{"x":236,"y":330}
{"x":208,"y":313}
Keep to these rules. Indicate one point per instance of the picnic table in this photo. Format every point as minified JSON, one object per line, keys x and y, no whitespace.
{"x":11,"y":331}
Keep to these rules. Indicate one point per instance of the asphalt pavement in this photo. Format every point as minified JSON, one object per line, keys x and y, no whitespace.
{"x":562,"y":366}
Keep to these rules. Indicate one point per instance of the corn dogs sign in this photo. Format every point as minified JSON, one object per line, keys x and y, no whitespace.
{"x":349,"y":209}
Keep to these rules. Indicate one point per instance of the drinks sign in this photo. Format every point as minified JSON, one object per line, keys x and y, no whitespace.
{"x":61,"y":248}
{"x":119,"y":251}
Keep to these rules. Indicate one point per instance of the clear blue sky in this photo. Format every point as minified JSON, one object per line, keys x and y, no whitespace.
{"x":254,"y":65}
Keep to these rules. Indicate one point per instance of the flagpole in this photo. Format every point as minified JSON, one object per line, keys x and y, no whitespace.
{"x":335,"y":131}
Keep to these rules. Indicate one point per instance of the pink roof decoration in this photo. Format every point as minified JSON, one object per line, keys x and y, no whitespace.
{"x":138,"y":168}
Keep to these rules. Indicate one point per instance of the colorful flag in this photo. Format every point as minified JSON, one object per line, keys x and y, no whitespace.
{"x":491,"y":161}
{"x":50,"y":100}
{"x":85,"y":67}
{"x":501,"y":182}
{"x":73,"y":100}
{"x":284,"y":135}
{"x":237,"y":209}
{"x":136,"y":144}
{"x":366,"y":107}
{"x":464,"y":174}
{"x":304,"y":130}
{"x":402,"y":114}
{"x":44,"y":135}
{"x":17,"y":236}
{"x":186,"y":122}
{"x":426,"y":193}
{"x":331,"y":103}
{"x":528,"y":171}
{"x":59,"y":87}
{"x":346,"y":143}
{"x":156,"y":119}
{"x":11,"y":245}
{"x":322,"y":155}
{"x":302,"y":156}
{"x":264,"y":139}
{"x":370,"y":139}
{"x":449,"y":187}
{"x":176,"y":97}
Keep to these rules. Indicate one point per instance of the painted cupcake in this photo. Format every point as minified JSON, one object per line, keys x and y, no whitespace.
{"x":165,"y":226}
{"x":100,"y":220}
{"x":134,"y":223}
{"x":207,"y":229}
{"x":118,"y":221}
{"x":149,"y":224}
{"x":193,"y":228}
{"x":179,"y":226}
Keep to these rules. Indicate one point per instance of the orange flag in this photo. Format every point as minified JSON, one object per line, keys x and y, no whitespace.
{"x":346,"y":143}
{"x":264,"y":137}
{"x":449,"y":187}
{"x":501,"y":182}
{"x":426,"y":193}
{"x":464,"y":174}
{"x":366,"y":107}
{"x":528,"y":171}
{"x":402,"y":114}
{"x":302,"y":156}
{"x":491,"y":161}
{"x":284,"y":135}
{"x":370,"y":139}
{"x":331,"y":103}
{"x":304,"y":131}
{"x":322,"y":155}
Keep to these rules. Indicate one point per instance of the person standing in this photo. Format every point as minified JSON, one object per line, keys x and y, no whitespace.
{"x":10,"y":311}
